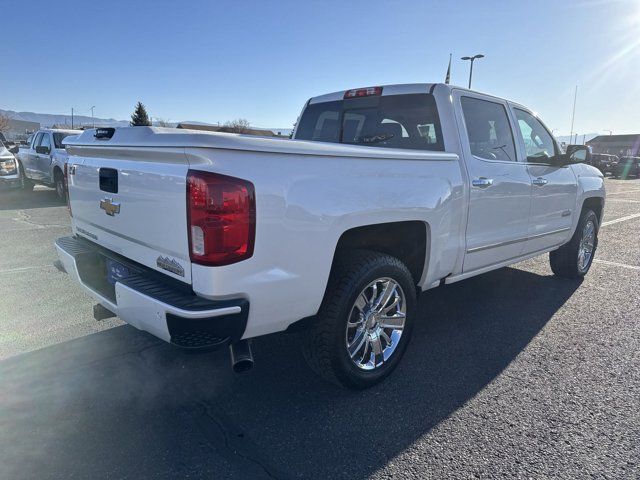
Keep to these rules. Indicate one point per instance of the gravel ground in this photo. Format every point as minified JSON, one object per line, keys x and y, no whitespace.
{"x":513,"y":374}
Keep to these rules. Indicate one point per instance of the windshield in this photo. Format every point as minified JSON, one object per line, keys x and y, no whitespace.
{"x":396,"y":121}
{"x":58,"y":137}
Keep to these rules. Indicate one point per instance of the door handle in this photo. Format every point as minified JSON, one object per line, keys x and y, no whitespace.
{"x":540,"y":182}
{"x":482,"y":182}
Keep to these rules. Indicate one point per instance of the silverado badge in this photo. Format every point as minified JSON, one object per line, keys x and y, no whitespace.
{"x":109,"y":206}
{"x":170,"y":265}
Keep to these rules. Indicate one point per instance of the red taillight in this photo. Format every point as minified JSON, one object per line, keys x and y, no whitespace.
{"x":66,"y":187}
{"x":363,"y":92}
{"x":221,"y":213}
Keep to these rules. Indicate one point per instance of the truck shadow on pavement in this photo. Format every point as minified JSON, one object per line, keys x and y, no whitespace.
{"x":122,"y":404}
{"x":40,"y":197}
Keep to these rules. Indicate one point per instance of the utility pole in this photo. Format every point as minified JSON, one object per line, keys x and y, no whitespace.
{"x":71,"y":118}
{"x":583,"y":138}
{"x":475,"y":57}
{"x":610,"y":131}
{"x":573,"y":115}
{"x":93,"y":122}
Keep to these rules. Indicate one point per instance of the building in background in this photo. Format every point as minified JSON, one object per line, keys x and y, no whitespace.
{"x":20,"y":129}
{"x":620,"y":145}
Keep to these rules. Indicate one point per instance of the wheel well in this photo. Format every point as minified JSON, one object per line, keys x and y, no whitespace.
{"x":406,"y":241}
{"x":595,"y":204}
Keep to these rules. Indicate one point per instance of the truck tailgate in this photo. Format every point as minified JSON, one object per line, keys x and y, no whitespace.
{"x":136,"y":208}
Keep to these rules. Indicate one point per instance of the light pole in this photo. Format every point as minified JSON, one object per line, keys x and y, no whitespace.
{"x":471,"y":68}
{"x":93,"y":122}
{"x":610,"y":131}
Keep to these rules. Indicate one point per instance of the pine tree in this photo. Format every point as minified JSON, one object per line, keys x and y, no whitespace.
{"x":139,"y":116}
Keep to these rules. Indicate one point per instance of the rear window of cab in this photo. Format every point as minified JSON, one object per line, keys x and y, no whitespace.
{"x":394,"y":121}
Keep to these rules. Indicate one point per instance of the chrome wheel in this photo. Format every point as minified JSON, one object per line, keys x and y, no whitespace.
{"x":376,"y":323}
{"x":587,"y":243}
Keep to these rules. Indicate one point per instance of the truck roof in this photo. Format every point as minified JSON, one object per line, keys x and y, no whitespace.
{"x":400,"y":89}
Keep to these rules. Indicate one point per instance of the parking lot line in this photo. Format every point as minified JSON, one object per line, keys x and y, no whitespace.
{"x":621,"y":219}
{"x":22,"y":269}
{"x":616,"y":264}
{"x":623,"y":200}
{"x":624,"y":191}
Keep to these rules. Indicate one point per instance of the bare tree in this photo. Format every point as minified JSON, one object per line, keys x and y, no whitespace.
{"x":4,"y":123}
{"x":239,"y":125}
{"x":161,"y":122}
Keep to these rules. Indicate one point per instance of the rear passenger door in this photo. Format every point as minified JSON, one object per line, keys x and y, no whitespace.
{"x":31,"y":158}
{"x":554,"y":187}
{"x":43,"y":160}
{"x":500,"y":191}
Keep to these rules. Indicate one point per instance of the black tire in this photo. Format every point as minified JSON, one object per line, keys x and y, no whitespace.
{"x":564,"y":261}
{"x":58,"y":184}
{"x":324,"y":342}
{"x":27,"y":184}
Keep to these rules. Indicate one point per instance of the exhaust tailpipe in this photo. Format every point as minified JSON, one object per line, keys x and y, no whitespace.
{"x":241,"y":356}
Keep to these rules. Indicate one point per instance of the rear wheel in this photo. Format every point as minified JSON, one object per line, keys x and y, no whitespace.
{"x":573,"y":260}
{"x":365,"y":321}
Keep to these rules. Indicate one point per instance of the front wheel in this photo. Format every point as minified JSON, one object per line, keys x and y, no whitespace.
{"x":58,"y":184}
{"x":574,"y":259}
{"x":26,"y":183}
{"x":365,"y":320}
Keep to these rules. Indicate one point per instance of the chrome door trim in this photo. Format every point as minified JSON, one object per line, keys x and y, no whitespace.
{"x":517,"y":240}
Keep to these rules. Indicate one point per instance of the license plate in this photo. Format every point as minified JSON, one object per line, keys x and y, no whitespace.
{"x":116,"y":271}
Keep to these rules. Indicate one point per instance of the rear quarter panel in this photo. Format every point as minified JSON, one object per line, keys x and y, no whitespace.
{"x":305,"y":203}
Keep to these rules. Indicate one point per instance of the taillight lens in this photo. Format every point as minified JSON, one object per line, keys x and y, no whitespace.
{"x":66,"y":187}
{"x":221,"y":213}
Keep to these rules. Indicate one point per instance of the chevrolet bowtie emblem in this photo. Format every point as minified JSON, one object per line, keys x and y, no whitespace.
{"x":109,"y":206}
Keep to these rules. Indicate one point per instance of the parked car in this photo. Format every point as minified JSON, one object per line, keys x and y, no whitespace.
{"x":627,"y":167}
{"x":603,"y":162}
{"x":207,"y":240}
{"x":9,"y":174}
{"x":42,"y":160}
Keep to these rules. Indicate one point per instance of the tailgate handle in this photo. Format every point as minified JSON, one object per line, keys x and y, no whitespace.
{"x":109,"y":180}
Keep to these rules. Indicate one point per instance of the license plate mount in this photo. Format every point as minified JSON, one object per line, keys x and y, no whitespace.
{"x":116,"y":271}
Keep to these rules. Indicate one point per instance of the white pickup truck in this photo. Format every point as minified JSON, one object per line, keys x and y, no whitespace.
{"x":207,"y":240}
{"x":42,"y":159}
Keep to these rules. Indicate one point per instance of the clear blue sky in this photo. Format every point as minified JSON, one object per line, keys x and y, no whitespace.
{"x":215,"y":61}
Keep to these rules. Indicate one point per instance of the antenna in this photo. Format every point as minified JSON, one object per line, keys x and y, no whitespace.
{"x":573,"y":115}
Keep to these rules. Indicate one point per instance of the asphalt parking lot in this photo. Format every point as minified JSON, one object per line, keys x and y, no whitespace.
{"x":513,"y":374}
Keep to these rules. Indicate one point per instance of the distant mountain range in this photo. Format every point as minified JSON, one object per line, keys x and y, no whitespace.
{"x":49,"y":119}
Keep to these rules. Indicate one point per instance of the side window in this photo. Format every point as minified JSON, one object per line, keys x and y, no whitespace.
{"x":538,"y":142}
{"x":38,"y":139}
{"x":488,"y":129}
{"x":46,"y":141}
